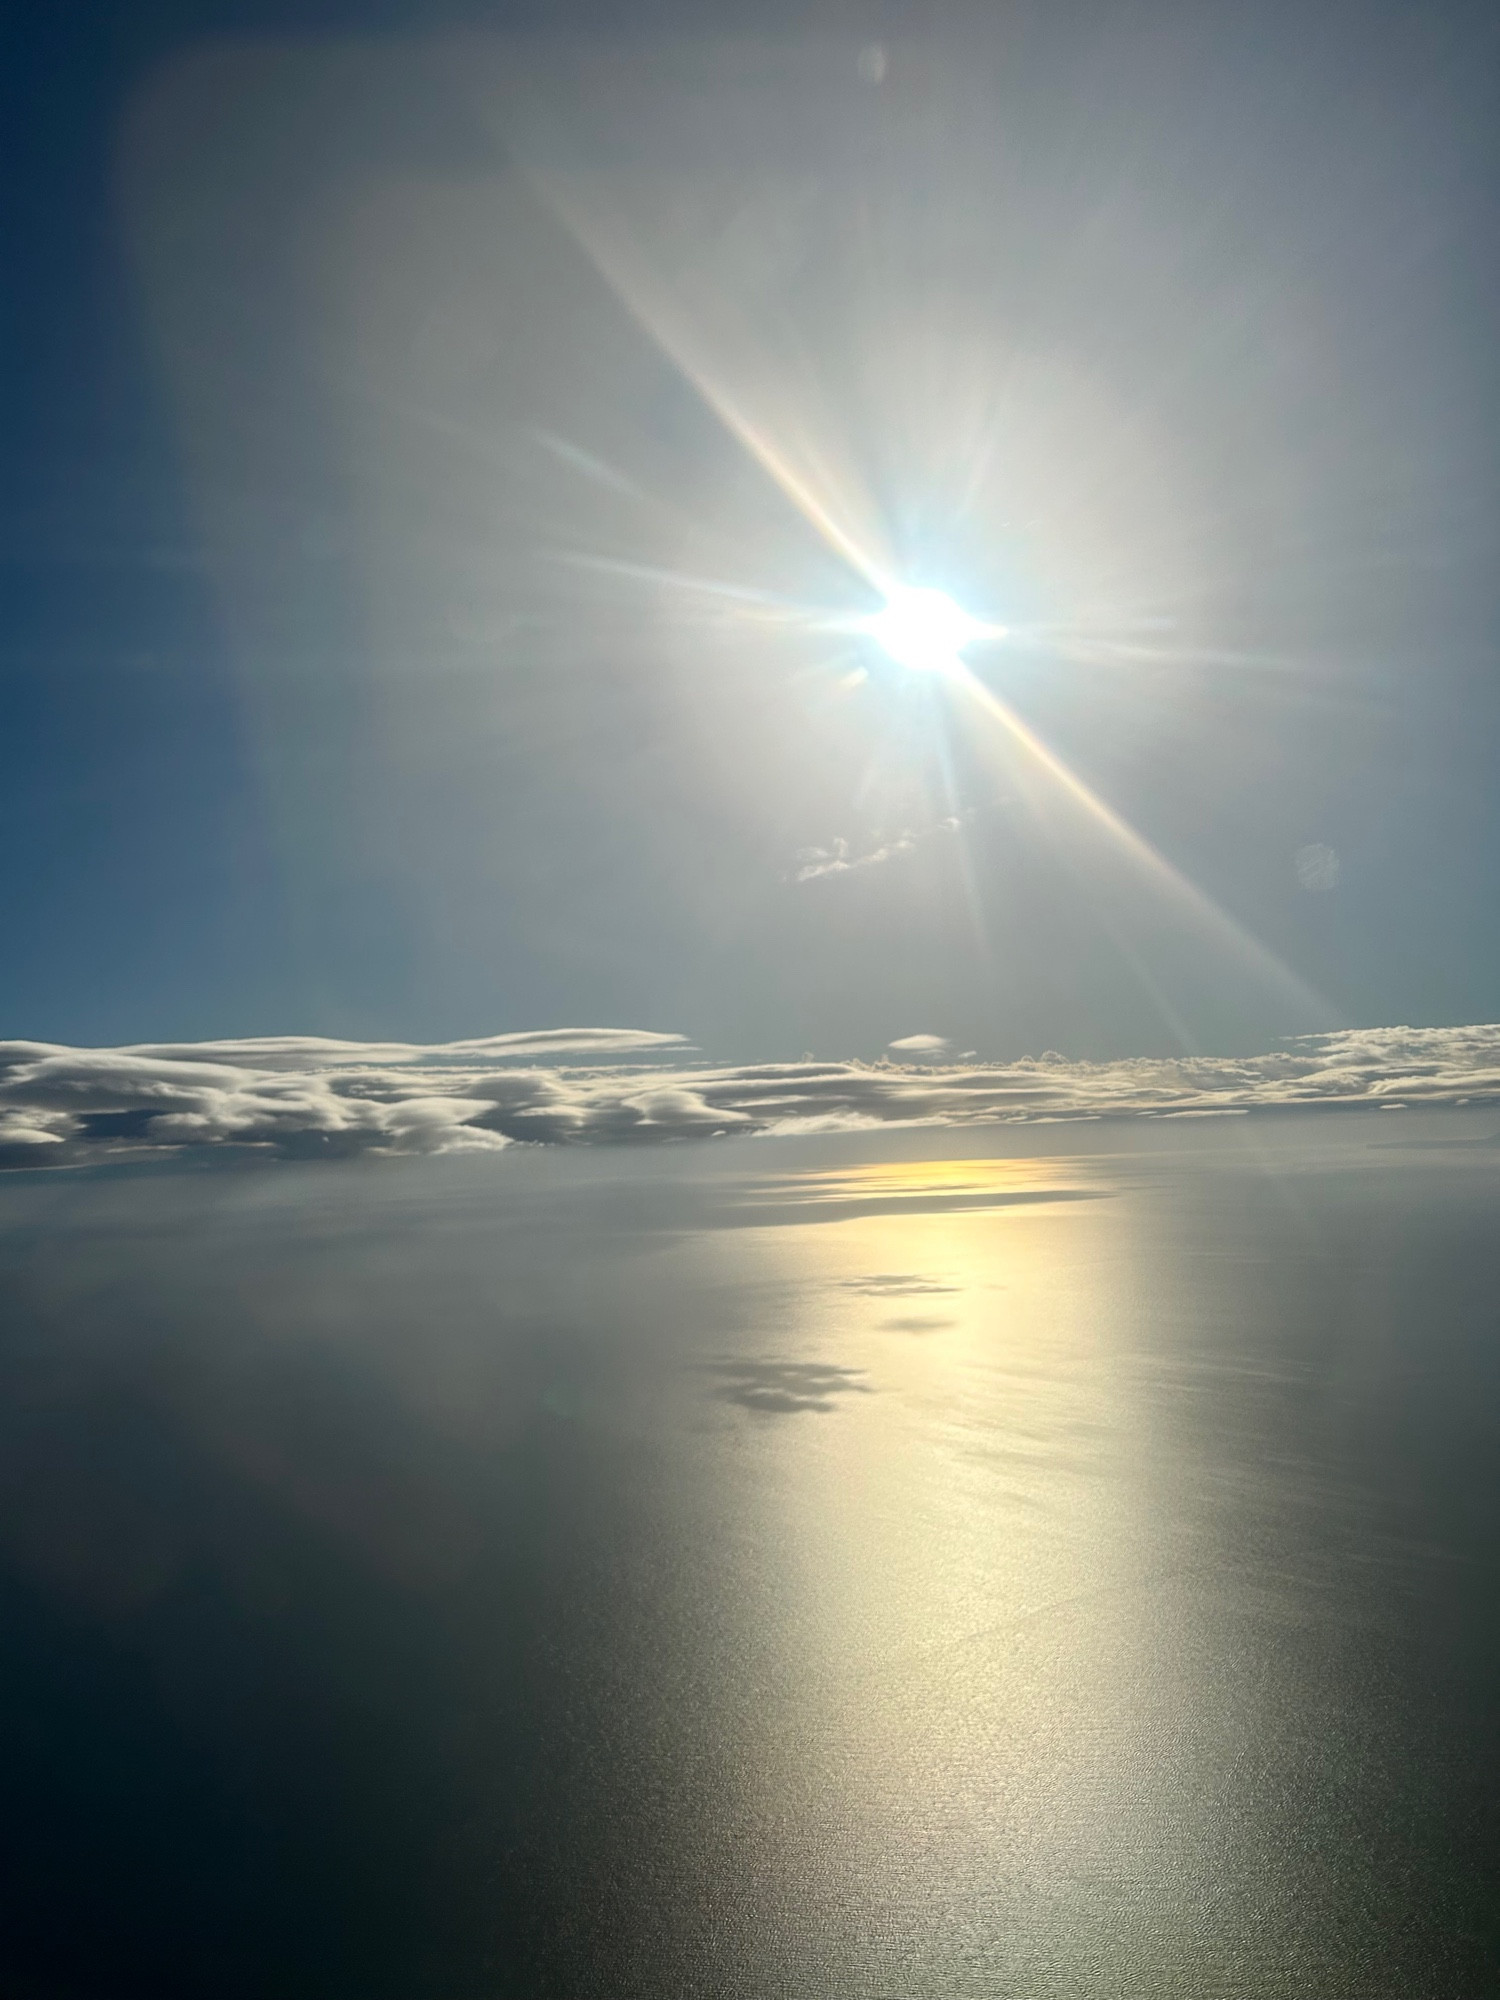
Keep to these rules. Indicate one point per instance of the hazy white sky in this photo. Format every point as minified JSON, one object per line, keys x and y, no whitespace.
{"x":548,"y":414}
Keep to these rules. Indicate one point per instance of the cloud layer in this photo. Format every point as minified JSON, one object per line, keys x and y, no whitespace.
{"x":302,"y":1097}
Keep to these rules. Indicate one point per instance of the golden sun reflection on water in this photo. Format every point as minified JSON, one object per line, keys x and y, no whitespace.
{"x":964,"y":1542}
{"x":915,"y":1186}
{"x":903,"y":1178}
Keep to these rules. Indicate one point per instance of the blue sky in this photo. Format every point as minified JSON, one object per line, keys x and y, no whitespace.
{"x":350,"y":682}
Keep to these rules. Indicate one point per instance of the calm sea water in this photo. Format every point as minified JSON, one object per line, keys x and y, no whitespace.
{"x":1052,"y":1562}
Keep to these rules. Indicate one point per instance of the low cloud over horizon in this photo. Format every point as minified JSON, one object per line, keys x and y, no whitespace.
{"x":306,"y":1097}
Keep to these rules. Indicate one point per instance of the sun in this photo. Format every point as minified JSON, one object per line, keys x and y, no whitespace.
{"x":924,"y":630}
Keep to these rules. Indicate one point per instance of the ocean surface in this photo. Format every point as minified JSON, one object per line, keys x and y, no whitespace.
{"x":1042,"y":1561}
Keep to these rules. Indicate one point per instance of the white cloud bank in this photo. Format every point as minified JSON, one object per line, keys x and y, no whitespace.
{"x":301,"y":1097}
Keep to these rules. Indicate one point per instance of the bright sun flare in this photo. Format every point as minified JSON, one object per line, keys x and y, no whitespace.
{"x":924,"y":630}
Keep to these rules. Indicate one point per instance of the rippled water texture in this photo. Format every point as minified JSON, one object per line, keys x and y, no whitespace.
{"x":1050,"y":1562}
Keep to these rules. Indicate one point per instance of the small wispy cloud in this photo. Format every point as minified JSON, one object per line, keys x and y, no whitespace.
{"x":306,"y":1097}
{"x":841,"y":857}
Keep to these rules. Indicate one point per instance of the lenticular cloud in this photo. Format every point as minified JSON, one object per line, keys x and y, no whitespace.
{"x":304,"y":1097}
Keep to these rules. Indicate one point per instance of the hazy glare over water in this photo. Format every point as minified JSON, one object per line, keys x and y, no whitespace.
{"x":1052,"y":1561}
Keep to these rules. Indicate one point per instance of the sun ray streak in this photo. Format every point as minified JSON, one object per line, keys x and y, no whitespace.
{"x":1207,"y":914}
{"x":633,"y":294}
{"x":694,"y":586}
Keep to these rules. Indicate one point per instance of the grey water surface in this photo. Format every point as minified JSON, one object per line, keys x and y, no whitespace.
{"x":1051,"y":1561}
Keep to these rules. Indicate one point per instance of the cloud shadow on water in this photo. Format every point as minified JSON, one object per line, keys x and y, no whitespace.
{"x":897,"y":1285}
{"x":781,"y":1387}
